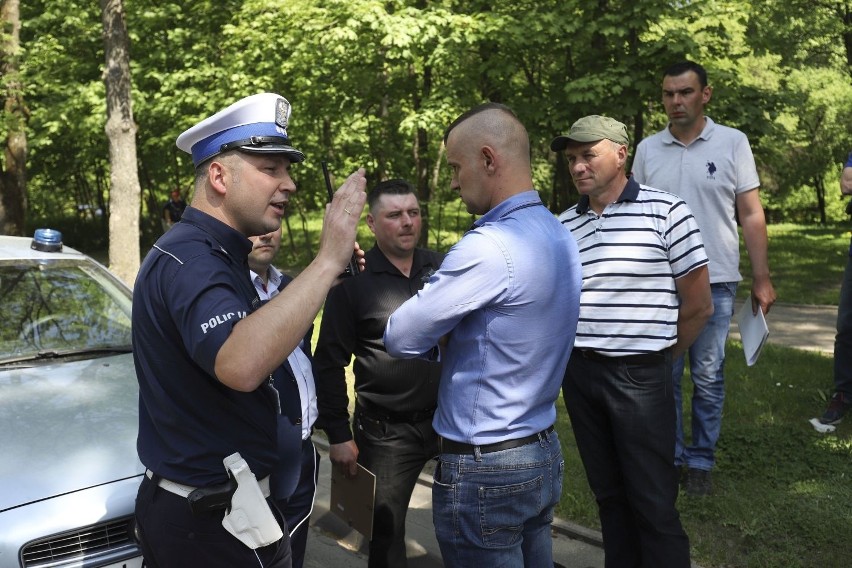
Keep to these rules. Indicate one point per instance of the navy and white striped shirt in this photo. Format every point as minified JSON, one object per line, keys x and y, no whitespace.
{"x":631,"y":256}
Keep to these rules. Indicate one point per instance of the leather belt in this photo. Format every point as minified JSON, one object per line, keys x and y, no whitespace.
{"x":376,"y":412}
{"x":184,"y":490}
{"x":641,"y":359}
{"x":452,"y":447}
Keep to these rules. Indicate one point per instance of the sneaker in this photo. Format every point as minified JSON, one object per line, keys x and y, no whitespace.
{"x":698,"y":483}
{"x":839,"y":404}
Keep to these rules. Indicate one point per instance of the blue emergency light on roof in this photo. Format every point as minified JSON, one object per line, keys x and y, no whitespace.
{"x":47,"y":240}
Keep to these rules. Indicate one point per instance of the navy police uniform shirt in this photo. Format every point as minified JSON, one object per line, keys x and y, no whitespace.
{"x":192,"y":288}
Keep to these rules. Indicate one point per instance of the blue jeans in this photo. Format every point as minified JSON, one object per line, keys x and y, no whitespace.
{"x":706,"y":365}
{"x":843,"y":339}
{"x":495,"y":510}
{"x":623,"y":419}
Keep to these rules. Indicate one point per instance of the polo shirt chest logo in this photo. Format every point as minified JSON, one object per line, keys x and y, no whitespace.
{"x":711,"y":170}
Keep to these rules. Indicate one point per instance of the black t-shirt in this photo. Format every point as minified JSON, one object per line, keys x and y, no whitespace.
{"x":175,"y":209}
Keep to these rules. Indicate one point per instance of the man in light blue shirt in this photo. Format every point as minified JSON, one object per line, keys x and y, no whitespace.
{"x":506,"y":302}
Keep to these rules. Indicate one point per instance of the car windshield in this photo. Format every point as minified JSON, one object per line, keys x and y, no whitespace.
{"x":60,"y":307}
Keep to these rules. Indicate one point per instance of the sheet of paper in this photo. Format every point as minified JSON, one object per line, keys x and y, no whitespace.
{"x":353,"y":499}
{"x":753,"y":331}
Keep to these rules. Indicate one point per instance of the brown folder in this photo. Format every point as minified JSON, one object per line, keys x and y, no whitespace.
{"x":353,"y":499}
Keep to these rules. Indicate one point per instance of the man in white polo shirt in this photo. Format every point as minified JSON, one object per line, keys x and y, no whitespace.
{"x":712,"y":168}
{"x":645,"y":298}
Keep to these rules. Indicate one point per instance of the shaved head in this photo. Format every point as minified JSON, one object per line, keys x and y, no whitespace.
{"x":488,"y":149}
{"x":492,"y":124}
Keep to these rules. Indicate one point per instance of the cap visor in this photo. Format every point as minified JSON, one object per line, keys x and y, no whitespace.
{"x":294,"y":155}
{"x":559,"y":143}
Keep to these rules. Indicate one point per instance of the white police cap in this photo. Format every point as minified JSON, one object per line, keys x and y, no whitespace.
{"x":255,"y":124}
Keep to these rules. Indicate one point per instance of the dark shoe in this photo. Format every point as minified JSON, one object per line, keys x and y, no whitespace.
{"x":698,"y":483}
{"x":839,"y":404}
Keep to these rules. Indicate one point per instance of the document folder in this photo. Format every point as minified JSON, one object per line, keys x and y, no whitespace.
{"x":353,"y":499}
{"x":753,"y":332}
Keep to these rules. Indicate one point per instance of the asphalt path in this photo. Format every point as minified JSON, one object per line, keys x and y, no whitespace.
{"x":811,"y":328}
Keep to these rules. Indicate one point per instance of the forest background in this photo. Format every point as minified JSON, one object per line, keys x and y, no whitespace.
{"x":374,"y":84}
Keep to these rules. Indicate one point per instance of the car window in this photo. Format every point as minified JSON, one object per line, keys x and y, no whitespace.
{"x":60,"y":305}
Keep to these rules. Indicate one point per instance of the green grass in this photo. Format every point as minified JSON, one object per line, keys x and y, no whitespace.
{"x":783,"y":492}
{"x":806,"y":263}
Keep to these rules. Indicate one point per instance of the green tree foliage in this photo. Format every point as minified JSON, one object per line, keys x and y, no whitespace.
{"x":63,"y":57}
{"x":180,"y":75}
{"x":810,"y":42}
{"x":375,"y":83}
{"x":13,"y":170}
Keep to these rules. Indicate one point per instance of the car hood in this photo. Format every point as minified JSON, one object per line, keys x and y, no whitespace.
{"x":66,"y":427}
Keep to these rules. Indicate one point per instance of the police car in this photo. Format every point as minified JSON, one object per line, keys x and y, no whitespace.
{"x":68,"y":409}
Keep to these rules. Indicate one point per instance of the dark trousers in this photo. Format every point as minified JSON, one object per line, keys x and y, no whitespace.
{"x":623,"y":417}
{"x":396,"y":453}
{"x":173,"y":537}
{"x":843,"y":339}
{"x":298,"y":507}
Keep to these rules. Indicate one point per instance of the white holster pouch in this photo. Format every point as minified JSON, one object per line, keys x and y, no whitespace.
{"x":249,"y":518}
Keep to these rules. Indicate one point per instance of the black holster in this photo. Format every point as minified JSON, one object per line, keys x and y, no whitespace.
{"x":212,"y":498}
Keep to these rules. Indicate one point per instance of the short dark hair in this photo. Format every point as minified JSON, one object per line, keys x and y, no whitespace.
{"x":476,"y":110}
{"x":683,"y":67}
{"x":389,"y":187}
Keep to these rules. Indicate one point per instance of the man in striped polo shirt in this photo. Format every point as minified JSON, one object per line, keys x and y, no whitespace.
{"x":645,"y":298}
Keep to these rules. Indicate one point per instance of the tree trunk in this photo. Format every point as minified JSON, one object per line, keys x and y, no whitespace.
{"x":845,"y":11}
{"x":819,"y":184}
{"x":421,"y":159}
{"x":561,"y":190}
{"x":124,"y":200}
{"x":13,"y":179}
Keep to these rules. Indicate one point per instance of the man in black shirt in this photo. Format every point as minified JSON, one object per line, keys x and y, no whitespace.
{"x":395,"y":398}
{"x":173,"y":209}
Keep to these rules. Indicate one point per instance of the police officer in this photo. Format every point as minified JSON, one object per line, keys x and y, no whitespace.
{"x":205,"y":351}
